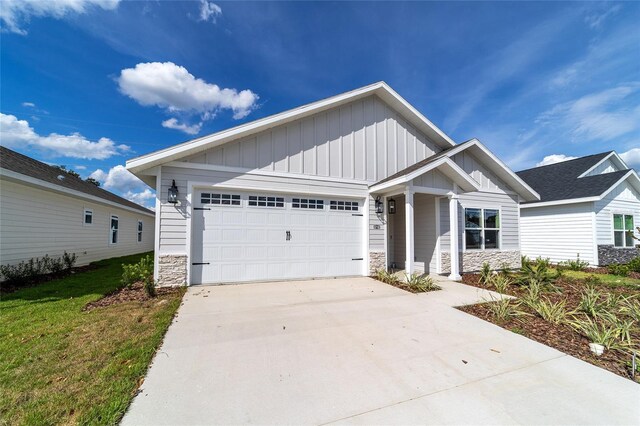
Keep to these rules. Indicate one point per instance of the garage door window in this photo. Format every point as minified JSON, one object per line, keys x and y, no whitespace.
{"x":351,"y":206}
{"x":265,"y":201}
{"x":305,"y":203}
{"x":220,"y":199}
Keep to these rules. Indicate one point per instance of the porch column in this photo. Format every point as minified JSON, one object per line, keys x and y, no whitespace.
{"x":453,"y":237}
{"x":409,"y":225}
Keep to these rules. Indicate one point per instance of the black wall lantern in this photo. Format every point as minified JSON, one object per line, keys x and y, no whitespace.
{"x":173,"y":193}
{"x":379,"y":205}
{"x":391,"y":206}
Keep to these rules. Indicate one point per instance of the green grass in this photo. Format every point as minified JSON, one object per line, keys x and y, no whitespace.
{"x":608,"y":279}
{"x":60,"y":365}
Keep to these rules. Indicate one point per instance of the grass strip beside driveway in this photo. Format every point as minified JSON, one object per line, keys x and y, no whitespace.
{"x":61,"y":365}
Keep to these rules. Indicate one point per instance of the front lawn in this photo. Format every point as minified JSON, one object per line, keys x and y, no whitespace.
{"x":60,"y":364}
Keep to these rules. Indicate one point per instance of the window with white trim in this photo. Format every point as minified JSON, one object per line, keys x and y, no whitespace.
{"x":139,"y":231}
{"x":305,"y":203}
{"x":265,"y":201}
{"x":220,"y":199}
{"x":623,"y":230}
{"x":88,"y":217}
{"x":351,"y":206}
{"x":113,"y":238}
{"x":481,"y":229}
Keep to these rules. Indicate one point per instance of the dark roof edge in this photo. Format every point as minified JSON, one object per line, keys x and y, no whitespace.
{"x":603,"y":154}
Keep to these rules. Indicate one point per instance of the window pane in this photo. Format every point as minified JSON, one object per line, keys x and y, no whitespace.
{"x":618,"y":238}
{"x":617,"y":221}
{"x":629,"y":239}
{"x":88,"y":218}
{"x":628,"y":222}
{"x":472,"y":218}
{"x":491,"y":239}
{"x":472,"y":239}
{"x":491,"y":219}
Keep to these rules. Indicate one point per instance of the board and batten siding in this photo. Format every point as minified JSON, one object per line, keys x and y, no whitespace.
{"x":364,"y":140}
{"x":35,"y":222}
{"x":478,"y":171}
{"x":506,"y":203}
{"x":173,"y":218}
{"x":559,"y":233}
{"x":622,"y":199}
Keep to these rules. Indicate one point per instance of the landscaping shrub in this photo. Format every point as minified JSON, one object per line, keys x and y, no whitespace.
{"x":139,"y":272}
{"x":524,"y":260}
{"x":420,"y":283}
{"x":504,"y":309}
{"x":555,"y":313}
{"x":634,"y":265}
{"x":501,"y":283}
{"x":590,"y":302}
{"x":34,"y":270}
{"x":575,"y":265}
{"x":485,"y":274}
{"x":618,"y":269}
{"x":385,"y":276}
{"x":602,"y":334}
{"x":69,"y":260}
{"x":537,"y":271}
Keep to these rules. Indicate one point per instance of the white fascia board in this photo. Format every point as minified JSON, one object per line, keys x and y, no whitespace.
{"x":631,"y":175}
{"x":613,"y":155}
{"x":503,"y":171}
{"x":560,"y":202}
{"x":11,"y":175}
{"x":137,"y":165}
{"x":451,"y":170}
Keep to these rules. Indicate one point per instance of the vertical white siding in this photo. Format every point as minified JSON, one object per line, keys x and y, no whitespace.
{"x":559,"y":233}
{"x":363,"y":140}
{"x":623,"y":199}
{"x":35,"y":222}
{"x":479,"y":172}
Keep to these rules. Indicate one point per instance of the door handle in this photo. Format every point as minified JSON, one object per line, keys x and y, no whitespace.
{"x":288,"y":235}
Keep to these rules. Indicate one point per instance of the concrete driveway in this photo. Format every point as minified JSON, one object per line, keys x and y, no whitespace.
{"x":359,"y":351}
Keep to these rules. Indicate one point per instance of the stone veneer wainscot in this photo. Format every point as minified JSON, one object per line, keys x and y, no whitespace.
{"x":608,"y":254}
{"x":377,"y":260}
{"x":473,"y":260}
{"x":172,"y":270}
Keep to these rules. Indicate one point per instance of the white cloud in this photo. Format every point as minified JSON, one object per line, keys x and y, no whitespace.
{"x":118,"y":178}
{"x":28,"y":105}
{"x":600,"y":116}
{"x":209,"y":11}
{"x":14,"y":13}
{"x":18,"y":133}
{"x":632,"y":157}
{"x":173,"y":88}
{"x":554,"y":158}
{"x":594,"y":20}
{"x":173,"y":123}
{"x":144,"y":198}
{"x":81,"y":167}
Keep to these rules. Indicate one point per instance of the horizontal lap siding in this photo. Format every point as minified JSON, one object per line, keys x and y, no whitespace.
{"x":559,"y":233}
{"x":173,"y":218}
{"x":623,"y":199}
{"x":35,"y":222}
{"x":363,"y":140}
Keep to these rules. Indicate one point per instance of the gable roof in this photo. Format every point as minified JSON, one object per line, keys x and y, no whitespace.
{"x":27,"y":166}
{"x":381,"y":89}
{"x":497,"y":166}
{"x":566,"y":181}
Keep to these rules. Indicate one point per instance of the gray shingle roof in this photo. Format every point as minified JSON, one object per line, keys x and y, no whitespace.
{"x":560,"y":181}
{"x":11,"y":160}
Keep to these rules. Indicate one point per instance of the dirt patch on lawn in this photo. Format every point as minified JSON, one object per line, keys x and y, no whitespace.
{"x":135,"y":293}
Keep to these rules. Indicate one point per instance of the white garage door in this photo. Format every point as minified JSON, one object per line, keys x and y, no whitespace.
{"x":241,"y":237}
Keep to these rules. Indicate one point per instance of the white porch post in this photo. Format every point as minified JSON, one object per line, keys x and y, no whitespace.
{"x":409,"y":226}
{"x":453,"y":237}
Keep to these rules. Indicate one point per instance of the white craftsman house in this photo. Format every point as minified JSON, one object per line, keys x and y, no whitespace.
{"x":45,"y":210}
{"x":338,"y":187}
{"x":587,"y":208}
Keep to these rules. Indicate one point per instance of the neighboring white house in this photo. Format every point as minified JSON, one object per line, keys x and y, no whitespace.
{"x":586,"y":208}
{"x":338,"y":187}
{"x":44,"y":210}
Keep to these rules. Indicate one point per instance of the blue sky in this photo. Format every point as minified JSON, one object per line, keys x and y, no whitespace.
{"x":91,"y":83}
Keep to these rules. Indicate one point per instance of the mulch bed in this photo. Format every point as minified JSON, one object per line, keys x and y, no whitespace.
{"x":403,"y":286}
{"x":134,"y":294}
{"x":561,"y":337}
{"x":7,"y":288}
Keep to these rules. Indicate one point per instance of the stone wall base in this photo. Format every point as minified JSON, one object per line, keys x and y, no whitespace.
{"x":376,"y":261}
{"x":172,"y":270}
{"x":608,"y":254}
{"x":472,"y":261}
